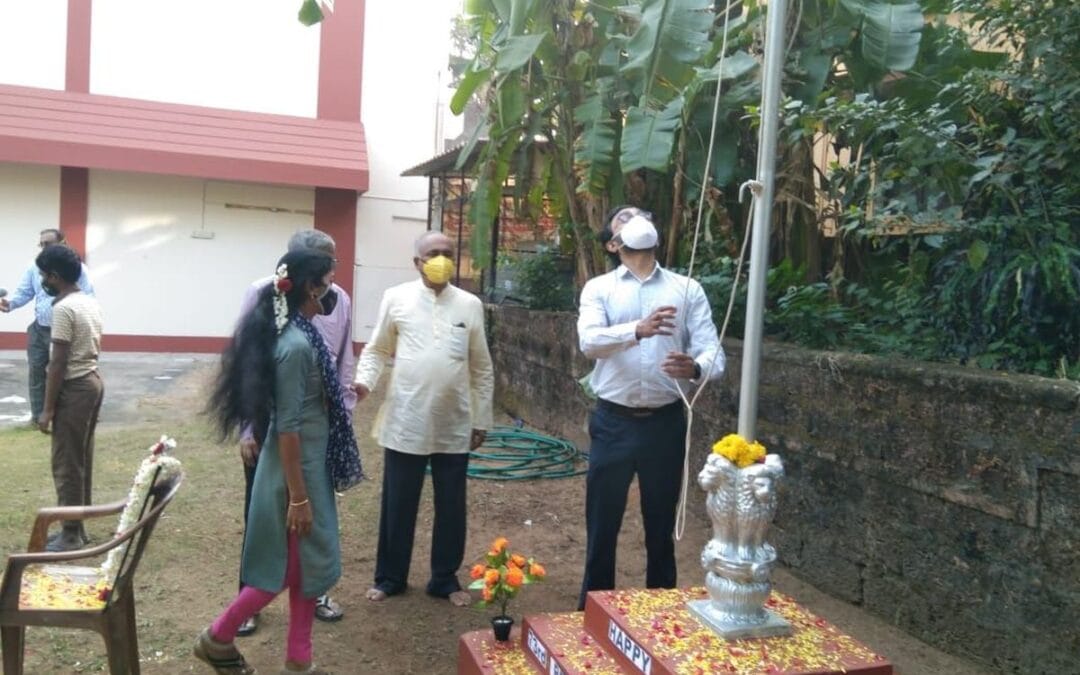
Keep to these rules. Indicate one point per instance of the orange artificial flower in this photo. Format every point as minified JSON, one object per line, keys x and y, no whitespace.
{"x":502,"y":574}
{"x":514,"y":577}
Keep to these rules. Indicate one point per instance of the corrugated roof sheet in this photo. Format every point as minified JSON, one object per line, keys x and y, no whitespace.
{"x":444,"y":163}
{"x":42,"y":126}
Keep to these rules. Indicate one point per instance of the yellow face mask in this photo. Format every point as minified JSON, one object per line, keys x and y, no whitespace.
{"x":439,"y":269}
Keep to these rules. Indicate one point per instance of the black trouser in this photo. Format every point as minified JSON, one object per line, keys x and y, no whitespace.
{"x":249,"y":481}
{"x":403,"y":480}
{"x":652,"y":446}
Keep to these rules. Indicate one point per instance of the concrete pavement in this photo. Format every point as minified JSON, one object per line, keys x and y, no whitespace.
{"x":130,"y":380}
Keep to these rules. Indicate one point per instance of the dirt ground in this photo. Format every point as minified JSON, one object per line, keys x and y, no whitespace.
{"x":191,"y":565}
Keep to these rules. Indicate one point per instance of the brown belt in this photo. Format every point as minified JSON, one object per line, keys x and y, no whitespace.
{"x":628,"y":411}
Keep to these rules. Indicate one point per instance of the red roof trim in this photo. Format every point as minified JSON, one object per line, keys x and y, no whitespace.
{"x":41,"y":126}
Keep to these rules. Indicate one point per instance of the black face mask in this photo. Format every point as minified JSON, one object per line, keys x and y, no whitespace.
{"x":49,"y":290}
{"x":328,"y":302}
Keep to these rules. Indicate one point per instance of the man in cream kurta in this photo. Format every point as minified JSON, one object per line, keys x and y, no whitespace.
{"x":437,"y":408}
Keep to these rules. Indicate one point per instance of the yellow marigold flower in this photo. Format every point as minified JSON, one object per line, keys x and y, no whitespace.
{"x":514,"y":577}
{"x":499,"y":545}
{"x":491,"y":577}
{"x":738,"y":451}
{"x":477,"y":571}
{"x":537,"y":570}
{"x":487,"y":594}
{"x":518,"y":560}
{"x":757,"y":452}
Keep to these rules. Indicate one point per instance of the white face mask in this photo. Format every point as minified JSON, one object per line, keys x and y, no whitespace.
{"x":638,"y":233}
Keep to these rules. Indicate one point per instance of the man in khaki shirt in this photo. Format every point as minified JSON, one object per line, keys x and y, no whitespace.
{"x":73,"y":388}
{"x":438,"y":407}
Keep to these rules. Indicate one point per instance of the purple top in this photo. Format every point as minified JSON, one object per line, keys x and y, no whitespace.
{"x":336,"y":332}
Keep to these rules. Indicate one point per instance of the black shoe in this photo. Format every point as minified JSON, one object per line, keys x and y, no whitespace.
{"x":65,"y":541}
{"x":56,"y":535}
{"x":248,"y":627}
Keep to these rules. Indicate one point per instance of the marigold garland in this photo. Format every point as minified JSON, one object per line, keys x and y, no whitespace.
{"x":502,"y":574}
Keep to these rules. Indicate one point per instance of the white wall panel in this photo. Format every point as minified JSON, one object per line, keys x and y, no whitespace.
{"x":155,"y":276}
{"x":29,"y":203}
{"x":404,"y":110}
{"x":384,"y":255}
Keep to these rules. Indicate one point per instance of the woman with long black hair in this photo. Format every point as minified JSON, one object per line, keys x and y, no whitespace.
{"x":278,"y":373}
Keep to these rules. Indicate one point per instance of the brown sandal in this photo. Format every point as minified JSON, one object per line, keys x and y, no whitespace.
{"x":224,"y":658}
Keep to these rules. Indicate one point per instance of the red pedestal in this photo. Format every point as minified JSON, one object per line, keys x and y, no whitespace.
{"x":652,"y":632}
{"x":557,"y":644}
{"x":480,"y":654}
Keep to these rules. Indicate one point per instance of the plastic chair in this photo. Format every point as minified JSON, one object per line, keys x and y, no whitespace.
{"x":38,"y":590}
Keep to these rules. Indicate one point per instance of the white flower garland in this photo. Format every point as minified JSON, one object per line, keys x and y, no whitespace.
{"x":140,"y":491}
{"x":282,"y":285}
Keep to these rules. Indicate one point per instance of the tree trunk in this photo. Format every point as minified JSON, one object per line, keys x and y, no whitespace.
{"x":672,"y":242}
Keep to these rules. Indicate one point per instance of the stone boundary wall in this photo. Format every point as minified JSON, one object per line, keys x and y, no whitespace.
{"x":944,"y":499}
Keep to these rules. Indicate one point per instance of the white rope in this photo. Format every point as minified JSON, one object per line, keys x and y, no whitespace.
{"x":680,"y":513}
{"x":756,"y":189}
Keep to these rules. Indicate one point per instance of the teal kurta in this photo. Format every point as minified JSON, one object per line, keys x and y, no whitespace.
{"x":299,"y":406}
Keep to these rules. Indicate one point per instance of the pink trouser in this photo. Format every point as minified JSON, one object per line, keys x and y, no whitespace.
{"x":250,"y":602}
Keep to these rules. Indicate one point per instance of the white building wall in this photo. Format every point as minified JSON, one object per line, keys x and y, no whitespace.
{"x":172,"y":256}
{"x":240,"y":54}
{"x":250,"y":55}
{"x":33,"y":43}
{"x":405,"y":96}
{"x":29,"y":203}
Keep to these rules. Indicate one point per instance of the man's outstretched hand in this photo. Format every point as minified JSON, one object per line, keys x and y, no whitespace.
{"x":660,"y":322}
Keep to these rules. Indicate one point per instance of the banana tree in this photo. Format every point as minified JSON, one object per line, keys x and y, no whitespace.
{"x":590,"y":102}
{"x":606,"y":85}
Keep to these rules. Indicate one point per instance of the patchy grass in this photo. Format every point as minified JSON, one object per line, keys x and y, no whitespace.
{"x":189,"y":572}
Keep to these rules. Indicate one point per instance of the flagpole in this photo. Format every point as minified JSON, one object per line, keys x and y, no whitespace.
{"x":759,"y":245}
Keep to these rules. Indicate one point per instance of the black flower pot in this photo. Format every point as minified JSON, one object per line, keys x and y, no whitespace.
{"x":502,"y":625}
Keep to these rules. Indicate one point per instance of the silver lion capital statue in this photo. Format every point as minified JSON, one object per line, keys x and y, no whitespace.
{"x":738,"y":561}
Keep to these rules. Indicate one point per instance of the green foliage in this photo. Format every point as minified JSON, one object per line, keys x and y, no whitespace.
{"x":889,"y":33}
{"x":543,"y":280}
{"x":958,"y":202}
{"x":1008,"y":295}
{"x":310,"y":13}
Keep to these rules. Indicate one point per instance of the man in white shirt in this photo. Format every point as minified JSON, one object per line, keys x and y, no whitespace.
{"x":38,"y":337}
{"x":652,"y":334}
{"x":438,"y":407}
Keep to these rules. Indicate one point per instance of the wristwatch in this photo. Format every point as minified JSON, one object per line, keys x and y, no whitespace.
{"x":697,"y":371}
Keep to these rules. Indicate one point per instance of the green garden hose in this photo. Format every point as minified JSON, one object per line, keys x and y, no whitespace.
{"x":509,"y":453}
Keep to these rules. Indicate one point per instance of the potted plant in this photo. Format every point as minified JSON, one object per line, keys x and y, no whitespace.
{"x":499,"y":578}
